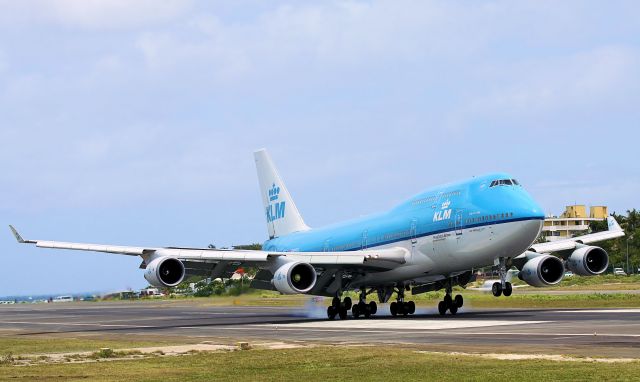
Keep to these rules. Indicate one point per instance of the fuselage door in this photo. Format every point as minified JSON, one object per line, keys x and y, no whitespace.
{"x":414,"y":231}
{"x":458,"y":223}
{"x":365,"y":235}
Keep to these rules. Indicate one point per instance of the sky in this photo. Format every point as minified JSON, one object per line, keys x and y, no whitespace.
{"x":134,"y":122}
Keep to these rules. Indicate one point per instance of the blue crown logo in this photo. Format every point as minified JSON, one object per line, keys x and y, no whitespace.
{"x":274,"y":192}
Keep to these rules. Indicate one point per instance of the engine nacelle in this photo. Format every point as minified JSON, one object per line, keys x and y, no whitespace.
{"x":294,"y":278}
{"x":588,"y":261}
{"x":543,"y":270}
{"x":164,"y":272}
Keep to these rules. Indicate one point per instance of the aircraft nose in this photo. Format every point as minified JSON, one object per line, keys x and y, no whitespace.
{"x":527,"y":207}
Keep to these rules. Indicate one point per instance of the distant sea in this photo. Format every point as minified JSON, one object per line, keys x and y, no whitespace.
{"x":40,"y":297}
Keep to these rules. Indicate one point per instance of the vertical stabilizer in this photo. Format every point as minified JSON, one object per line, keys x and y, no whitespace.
{"x":281,"y":212}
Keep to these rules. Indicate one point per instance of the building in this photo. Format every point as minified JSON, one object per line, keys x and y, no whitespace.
{"x":573,"y":221}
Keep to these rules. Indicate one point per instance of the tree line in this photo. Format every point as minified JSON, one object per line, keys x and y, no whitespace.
{"x":617,"y":248}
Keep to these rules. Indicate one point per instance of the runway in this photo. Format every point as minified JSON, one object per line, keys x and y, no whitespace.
{"x":601,"y":332}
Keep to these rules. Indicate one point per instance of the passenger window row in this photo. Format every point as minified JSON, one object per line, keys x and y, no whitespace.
{"x":487,"y":218}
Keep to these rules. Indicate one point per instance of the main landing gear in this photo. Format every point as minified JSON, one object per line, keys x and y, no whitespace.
{"x":450,"y":304}
{"x":339,"y":308}
{"x":400,"y":307}
{"x":503,"y":286}
{"x":362,"y":308}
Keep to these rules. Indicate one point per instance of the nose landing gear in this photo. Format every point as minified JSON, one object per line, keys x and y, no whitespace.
{"x":503,"y":287}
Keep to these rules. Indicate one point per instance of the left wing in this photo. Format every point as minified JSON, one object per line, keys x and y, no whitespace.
{"x":215,"y":263}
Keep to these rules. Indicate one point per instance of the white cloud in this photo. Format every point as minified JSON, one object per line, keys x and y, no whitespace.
{"x":601,"y":75}
{"x":92,"y":13}
{"x":320,"y":37}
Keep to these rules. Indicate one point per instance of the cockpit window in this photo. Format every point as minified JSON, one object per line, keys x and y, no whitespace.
{"x":504,"y":182}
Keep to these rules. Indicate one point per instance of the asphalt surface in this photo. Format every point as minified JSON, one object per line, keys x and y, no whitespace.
{"x":601,"y":332}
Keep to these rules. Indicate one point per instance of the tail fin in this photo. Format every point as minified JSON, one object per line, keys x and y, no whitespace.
{"x":281,"y":212}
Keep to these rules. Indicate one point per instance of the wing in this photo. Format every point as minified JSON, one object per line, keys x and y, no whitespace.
{"x":215,"y":263}
{"x":569,"y":244}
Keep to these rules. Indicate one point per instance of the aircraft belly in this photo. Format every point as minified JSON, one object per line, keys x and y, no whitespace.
{"x":474,"y":247}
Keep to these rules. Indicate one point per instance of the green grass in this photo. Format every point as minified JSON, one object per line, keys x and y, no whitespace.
{"x":487,"y":300}
{"x":324,"y":364}
{"x":629,"y":282}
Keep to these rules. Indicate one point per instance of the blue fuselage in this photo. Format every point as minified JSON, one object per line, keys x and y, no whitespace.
{"x":488,"y":200}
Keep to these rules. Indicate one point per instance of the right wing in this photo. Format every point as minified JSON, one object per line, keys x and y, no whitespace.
{"x":613,"y":232}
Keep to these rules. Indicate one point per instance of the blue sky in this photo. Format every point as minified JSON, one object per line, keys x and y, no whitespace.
{"x":134,"y":122}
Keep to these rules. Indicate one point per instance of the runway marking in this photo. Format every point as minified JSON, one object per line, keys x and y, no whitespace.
{"x":285,"y":327}
{"x":599,"y":311}
{"x":276,"y":328}
{"x":556,"y":334}
{"x":403,"y":324}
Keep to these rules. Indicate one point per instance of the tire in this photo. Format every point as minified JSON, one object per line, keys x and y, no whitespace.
{"x":347,"y":303}
{"x":496,"y":289}
{"x":367,"y":311}
{"x":447,"y":300}
{"x":405,"y":308}
{"x":331,"y":312}
{"x":393,"y":308}
{"x":411,"y":307}
{"x":373,"y":307}
{"x":335,"y":302}
{"x":342,"y":313}
{"x":453,"y":309}
{"x":355,"y":311}
{"x":442,"y":308}
{"x":508,"y":289}
{"x":458,"y":300}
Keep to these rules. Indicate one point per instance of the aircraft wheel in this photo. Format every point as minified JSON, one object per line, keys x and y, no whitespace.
{"x":442,"y":308}
{"x":496,"y":289}
{"x":373,"y":307}
{"x":411,"y":307}
{"x":355,"y":310}
{"x":347,"y":303}
{"x":335,"y":302}
{"x":367,"y":310}
{"x":453,"y":309}
{"x":458,"y":301}
{"x":447,"y":299}
{"x":342,"y":313}
{"x":393,"y":308}
{"x":331,"y":312}
{"x":508,"y":289}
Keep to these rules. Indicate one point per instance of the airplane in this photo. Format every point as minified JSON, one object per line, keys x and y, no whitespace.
{"x":432,"y":241}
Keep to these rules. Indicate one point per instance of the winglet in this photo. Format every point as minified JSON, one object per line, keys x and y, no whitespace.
{"x":17,"y":235}
{"x":613,"y":224}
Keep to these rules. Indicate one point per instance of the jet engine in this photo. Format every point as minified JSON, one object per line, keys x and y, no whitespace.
{"x":588,"y":261}
{"x":294,"y":277}
{"x":541,"y":271}
{"x":164,"y":272}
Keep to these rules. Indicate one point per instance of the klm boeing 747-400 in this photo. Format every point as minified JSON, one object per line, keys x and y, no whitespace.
{"x":432,"y":241}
